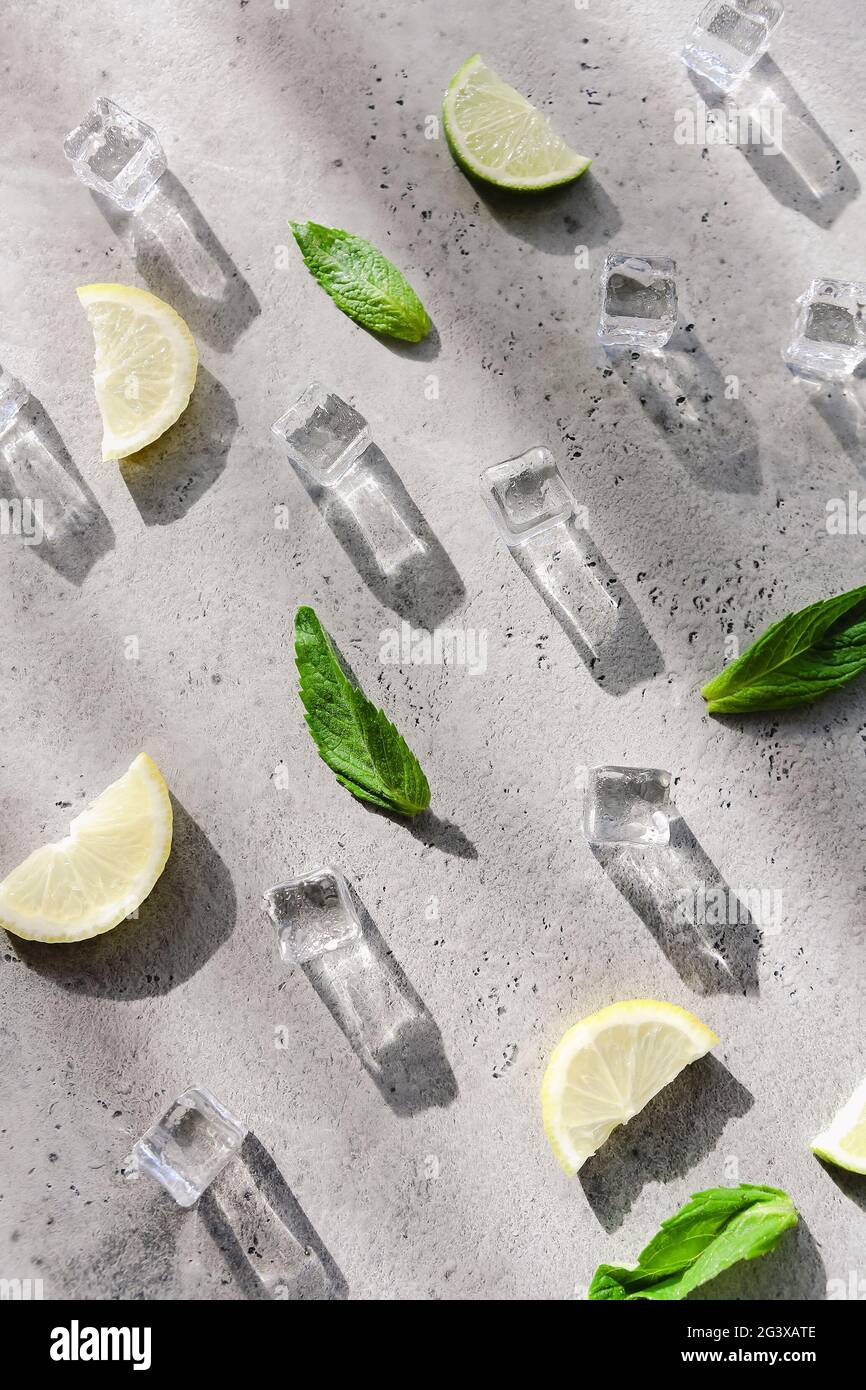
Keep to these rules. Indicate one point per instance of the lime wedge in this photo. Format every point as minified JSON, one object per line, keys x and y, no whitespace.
{"x":844,"y":1140}
{"x":607,"y":1067}
{"x":496,"y":135}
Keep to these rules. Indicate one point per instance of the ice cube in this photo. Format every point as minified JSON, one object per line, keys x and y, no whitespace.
{"x":638,"y":301}
{"x":526,"y":495}
{"x":569,"y":573}
{"x":729,"y":37}
{"x":282,"y":1267}
{"x":13,"y":395}
{"x":116,"y":154}
{"x":323,"y":434}
{"x":627,"y":806}
{"x":313,"y":914}
{"x":389,"y":536}
{"x":829,"y":337}
{"x":192,"y":1142}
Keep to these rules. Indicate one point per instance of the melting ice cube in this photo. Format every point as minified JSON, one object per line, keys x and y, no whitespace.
{"x":829,"y":337}
{"x":116,"y":154}
{"x":627,"y":806}
{"x":728,"y":38}
{"x":323,"y":434}
{"x":189,"y":1145}
{"x":639,"y":301}
{"x":313,"y":914}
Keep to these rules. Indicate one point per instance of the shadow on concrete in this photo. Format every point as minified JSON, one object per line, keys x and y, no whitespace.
{"x":384,"y":1019}
{"x":388,"y":540}
{"x":595,"y":612}
{"x":852,"y":1185}
{"x":181,"y":260}
{"x":173,"y":473}
{"x":679,"y":1127}
{"x":263,"y":1234}
{"x":435,"y":832}
{"x":791,"y":154}
{"x":685,"y":395}
{"x":666,"y":885}
{"x":189,"y":914}
{"x":579,"y":213}
{"x":425,"y":351}
{"x":35,"y":465}
{"x":793,"y":1271}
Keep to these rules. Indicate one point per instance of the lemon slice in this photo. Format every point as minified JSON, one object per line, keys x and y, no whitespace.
{"x":844,"y":1141}
{"x":495,"y":134}
{"x":146,"y":362}
{"x":108,"y":863}
{"x":606,"y":1068}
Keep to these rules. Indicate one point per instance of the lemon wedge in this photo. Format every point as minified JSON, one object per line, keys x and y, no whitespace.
{"x":146,"y":363}
{"x":606,"y":1068}
{"x":104,"y":868}
{"x":844,"y":1141}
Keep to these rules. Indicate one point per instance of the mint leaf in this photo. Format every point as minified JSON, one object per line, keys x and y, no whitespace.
{"x":803,"y":656}
{"x":361,"y":281}
{"x":714,"y":1230}
{"x":353,"y":737}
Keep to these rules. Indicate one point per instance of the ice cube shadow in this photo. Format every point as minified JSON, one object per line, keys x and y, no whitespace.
{"x":385,"y":1021}
{"x":598,"y":616}
{"x":263,"y":1234}
{"x":170,"y":475}
{"x":664,"y":1141}
{"x":683,"y":391}
{"x":181,"y":260}
{"x":188,"y":915}
{"x":658,"y":882}
{"x":808,"y":174}
{"x":35,"y":464}
{"x":842,"y":407}
{"x":388,"y":540}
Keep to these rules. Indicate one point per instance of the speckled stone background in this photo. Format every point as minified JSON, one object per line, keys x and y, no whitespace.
{"x":710,"y":511}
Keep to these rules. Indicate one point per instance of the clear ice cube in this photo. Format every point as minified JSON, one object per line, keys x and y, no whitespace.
{"x":282,"y":1267}
{"x":116,"y":154}
{"x":13,"y":395}
{"x":189,"y":1145}
{"x":567,"y":570}
{"x":388,"y":534}
{"x":526,"y":495}
{"x":313,"y":914}
{"x":627,"y":806}
{"x":638,"y":301}
{"x":829,"y":337}
{"x":324,"y":435}
{"x":728,"y":38}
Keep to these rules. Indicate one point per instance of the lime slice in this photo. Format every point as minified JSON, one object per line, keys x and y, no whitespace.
{"x":844,"y":1141}
{"x":496,"y":135}
{"x":606,"y":1068}
{"x":146,"y":363}
{"x":104,"y":868}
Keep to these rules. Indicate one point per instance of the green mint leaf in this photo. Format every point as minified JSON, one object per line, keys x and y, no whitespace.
{"x":362,"y":282}
{"x":353,"y":737}
{"x":805,"y":655}
{"x":714,"y":1230}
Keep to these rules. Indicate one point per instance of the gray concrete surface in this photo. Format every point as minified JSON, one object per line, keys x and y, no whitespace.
{"x":711,"y":514}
